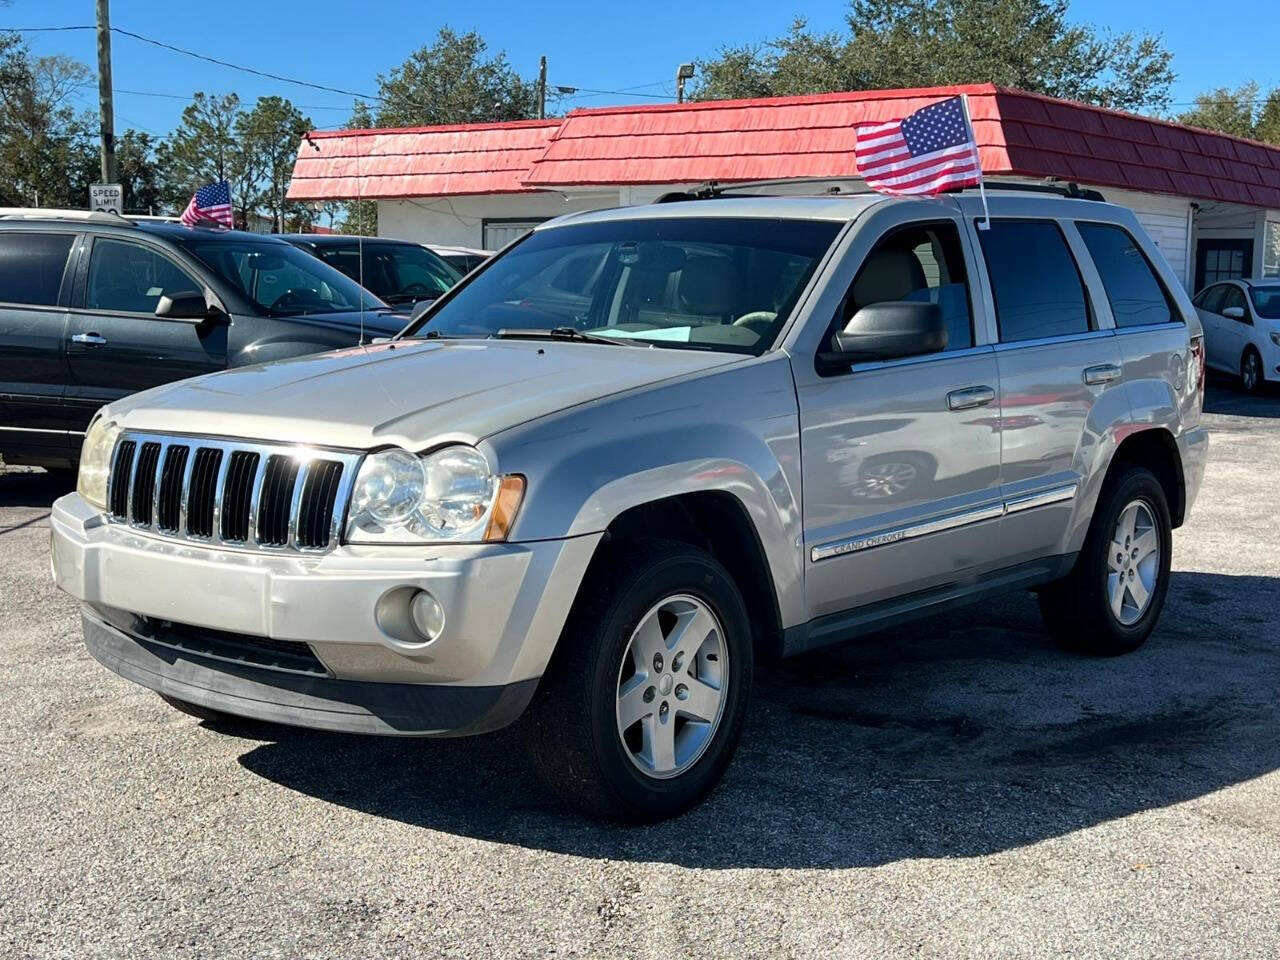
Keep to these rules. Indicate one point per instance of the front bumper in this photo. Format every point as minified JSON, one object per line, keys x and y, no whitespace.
{"x":505,"y":605}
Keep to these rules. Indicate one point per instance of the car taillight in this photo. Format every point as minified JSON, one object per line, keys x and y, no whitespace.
{"x":1197,"y":354}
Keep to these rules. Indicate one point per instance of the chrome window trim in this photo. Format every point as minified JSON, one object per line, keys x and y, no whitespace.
{"x":1005,"y":347}
{"x":951,"y":521}
{"x":304,"y":453}
{"x":934,"y":357}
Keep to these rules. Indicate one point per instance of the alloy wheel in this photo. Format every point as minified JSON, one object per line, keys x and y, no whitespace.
{"x":887,"y":480}
{"x":1133,"y":562}
{"x":671,"y":686}
{"x":1250,"y":372}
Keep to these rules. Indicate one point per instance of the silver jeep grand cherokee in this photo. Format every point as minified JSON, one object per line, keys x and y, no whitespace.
{"x":641,"y":452}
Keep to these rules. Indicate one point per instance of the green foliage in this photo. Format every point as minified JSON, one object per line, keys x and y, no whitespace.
{"x":268,"y":138}
{"x":1026,"y":44}
{"x":1242,"y":112}
{"x":452,"y":81}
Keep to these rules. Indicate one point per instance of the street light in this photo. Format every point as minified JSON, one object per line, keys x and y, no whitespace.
{"x":685,"y":72}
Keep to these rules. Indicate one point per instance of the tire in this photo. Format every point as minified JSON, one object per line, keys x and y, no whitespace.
{"x":1079,"y":611}
{"x":1252,"y":378}
{"x":574,"y":725}
{"x":194,"y":709}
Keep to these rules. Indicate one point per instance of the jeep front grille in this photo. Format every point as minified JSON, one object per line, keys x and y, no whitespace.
{"x":229,"y":492}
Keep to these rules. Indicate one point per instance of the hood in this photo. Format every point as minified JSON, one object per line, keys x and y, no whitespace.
{"x":413,"y":393}
{"x":377,"y":323}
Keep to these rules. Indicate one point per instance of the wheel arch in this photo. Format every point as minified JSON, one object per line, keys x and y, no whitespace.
{"x":1155,"y":449}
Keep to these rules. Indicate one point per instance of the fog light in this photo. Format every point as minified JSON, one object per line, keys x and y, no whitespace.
{"x":427,"y":614}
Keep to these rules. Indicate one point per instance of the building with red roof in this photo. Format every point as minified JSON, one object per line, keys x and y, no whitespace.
{"x":1211,"y":201}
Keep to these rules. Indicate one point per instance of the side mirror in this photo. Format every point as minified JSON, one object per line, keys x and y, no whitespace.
{"x":889,"y":331}
{"x":189,"y":306}
{"x":1235,"y":313}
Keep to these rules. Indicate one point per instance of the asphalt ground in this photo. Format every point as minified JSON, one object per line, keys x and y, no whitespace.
{"x":957,"y":788}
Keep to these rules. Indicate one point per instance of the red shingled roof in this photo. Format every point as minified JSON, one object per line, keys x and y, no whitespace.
{"x":418,"y":161}
{"x":1020,"y":134}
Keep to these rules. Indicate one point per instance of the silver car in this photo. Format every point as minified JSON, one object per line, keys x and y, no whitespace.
{"x":639,"y":456}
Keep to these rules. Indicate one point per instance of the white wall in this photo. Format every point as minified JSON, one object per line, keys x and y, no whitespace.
{"x":458,"y":221}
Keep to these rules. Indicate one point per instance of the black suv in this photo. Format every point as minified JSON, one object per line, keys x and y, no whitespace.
{"x":94,"y":306}
{"x":401,"y":273}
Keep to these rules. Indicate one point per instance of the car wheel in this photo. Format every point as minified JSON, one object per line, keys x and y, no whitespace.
{"x":1251,"y":371}
{"x":642,"y":705}
{"x":194,"y":709}
{"x":1111,"y":600}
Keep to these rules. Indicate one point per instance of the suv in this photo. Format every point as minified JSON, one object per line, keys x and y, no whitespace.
{"x":399,"y":272}
{"x":643,"y":452}
{"x":1242,"y":327}
{"x":94,"y":307}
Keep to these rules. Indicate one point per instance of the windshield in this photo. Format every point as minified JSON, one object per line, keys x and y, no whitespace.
{"x":281,"y":279}
{"x":396,"y":272}
{"x":691,"y":283}
{"x":1266,"y":301}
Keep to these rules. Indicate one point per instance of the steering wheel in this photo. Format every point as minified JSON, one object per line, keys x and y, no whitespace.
{"x":757,"y":321}
{"x":296,"y":297}
{"x":416,"y":290}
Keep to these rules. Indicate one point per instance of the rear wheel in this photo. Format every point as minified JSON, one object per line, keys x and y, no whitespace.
{"x":1251,"y":378}
{"x":1111,"y":600}
{"x":642,"y":706}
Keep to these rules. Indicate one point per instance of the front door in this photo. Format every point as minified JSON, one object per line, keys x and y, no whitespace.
{"x":901,"y":460}
{"x":1222,"y":260}
{"x":116,"y":345}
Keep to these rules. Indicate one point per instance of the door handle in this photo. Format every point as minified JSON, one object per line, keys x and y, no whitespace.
{"x":92,"y":338}
{"x":970,"y":397}
{"x":1102,"y":373}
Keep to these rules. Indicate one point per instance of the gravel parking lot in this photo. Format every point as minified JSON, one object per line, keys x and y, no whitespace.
{"x":959,"y":787}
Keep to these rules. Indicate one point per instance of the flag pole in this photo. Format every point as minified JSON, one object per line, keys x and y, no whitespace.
{"x":982,"y":187}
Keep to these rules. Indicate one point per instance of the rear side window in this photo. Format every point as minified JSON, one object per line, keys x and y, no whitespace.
{"x":1136,"y":295}
{"x":1037,"y":288}
{"x":31,"y":266}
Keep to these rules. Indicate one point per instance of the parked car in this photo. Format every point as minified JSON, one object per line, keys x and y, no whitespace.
{"x":596,"y":483}
{"x":400,"y":273}
{"x":94,"y":307}
{"x":462,"y":259}
{"x":1241,"y":321}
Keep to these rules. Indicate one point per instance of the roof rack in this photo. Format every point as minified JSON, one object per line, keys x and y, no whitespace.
{"x":712,"y":189}
{"x":51,"y":213}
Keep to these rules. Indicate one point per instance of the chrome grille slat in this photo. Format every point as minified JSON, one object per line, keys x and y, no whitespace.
{"x":282,"y":497}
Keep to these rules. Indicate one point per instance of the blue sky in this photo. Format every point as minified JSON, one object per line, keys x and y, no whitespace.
{"x":606,"y":46}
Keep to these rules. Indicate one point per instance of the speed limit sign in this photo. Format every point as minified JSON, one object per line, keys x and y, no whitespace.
{"x":106,"y":198}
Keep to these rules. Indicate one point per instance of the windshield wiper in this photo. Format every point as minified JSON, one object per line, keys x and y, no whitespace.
{"x":565,"y":333}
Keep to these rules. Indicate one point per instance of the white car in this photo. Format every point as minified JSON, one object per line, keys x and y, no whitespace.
{"x":462,"y":259}
{"x":1241,"y":321}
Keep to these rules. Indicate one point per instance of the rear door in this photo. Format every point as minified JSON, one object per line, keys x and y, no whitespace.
{"x":34,"y":285}
{"x":900,"y":459}
{"x":116,"y":345}
{"x":1059,"y":369}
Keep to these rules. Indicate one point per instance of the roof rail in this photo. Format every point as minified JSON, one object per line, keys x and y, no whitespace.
{"x":837,"y":187}
{"x":51,"y":213}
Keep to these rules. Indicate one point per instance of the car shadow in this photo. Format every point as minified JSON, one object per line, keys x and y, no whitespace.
{"x":32,"y":487}
{"x":1224,"y":398}
{"x":957,"y":736}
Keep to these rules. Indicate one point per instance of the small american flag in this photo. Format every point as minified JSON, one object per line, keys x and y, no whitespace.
{"x":930,"y":151}
{"x":211,"y":203}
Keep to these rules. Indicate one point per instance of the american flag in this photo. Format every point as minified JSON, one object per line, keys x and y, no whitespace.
{"x":930,"y":151}
{"x":211,"y":203}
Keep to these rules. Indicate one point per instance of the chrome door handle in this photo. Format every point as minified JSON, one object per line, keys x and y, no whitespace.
{"x":93,"y":338}
{"x":970,"y":397}
{"x":1102,"y":373}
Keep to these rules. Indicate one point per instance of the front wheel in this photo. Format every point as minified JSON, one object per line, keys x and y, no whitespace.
{"x":1111,"y":600}
{"x":1251,"y":378}
{"x":642,"y":705}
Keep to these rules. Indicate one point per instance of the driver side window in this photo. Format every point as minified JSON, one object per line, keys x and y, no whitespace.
{"x":132,"y":278}
{"x":918,"y":262}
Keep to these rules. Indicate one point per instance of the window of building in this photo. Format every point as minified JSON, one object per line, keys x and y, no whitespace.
{"x":1034,"y":279}
{"x":919,"y":262}
{"x":132,"y":278}
{"x":1135,"y":293}
{"x":31,"y":266}
{"x":1271,"y":249}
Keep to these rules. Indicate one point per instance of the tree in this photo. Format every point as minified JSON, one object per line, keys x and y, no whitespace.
{"x":1026,"y":44}
{"x":204,"y":149}
{"x":268,"y":138}
{"x":1242,"y":112}
{"x":360,"y":217}
{"x":452,"y":81}
{"x":139,"y":173}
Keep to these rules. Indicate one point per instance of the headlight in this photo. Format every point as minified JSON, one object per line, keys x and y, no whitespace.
{"x":95,"y":461}
{"x":449,"y":495}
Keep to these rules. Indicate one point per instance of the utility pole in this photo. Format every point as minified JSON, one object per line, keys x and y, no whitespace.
{"x":542,"y":88}
{"x":683,"y":73}
{"x":106,"y":109}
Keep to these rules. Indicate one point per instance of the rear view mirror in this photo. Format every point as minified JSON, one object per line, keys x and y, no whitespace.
{"x":1235,"y":313}
{"x":188,"y":305}
{"x":890,"y":330}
